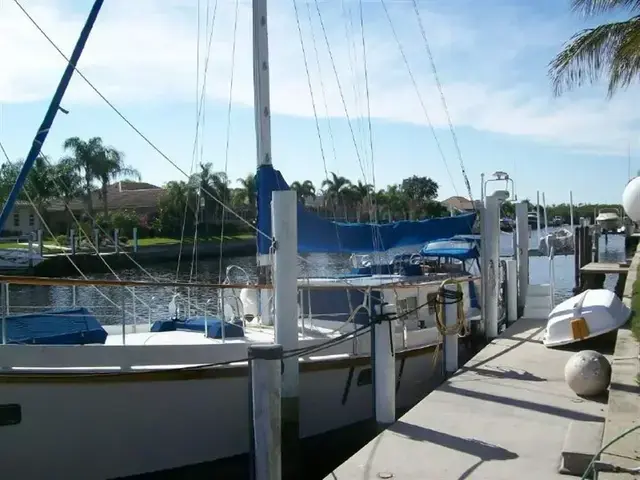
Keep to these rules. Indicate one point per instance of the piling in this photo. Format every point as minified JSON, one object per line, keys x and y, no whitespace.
{"x":384,"y":374}
{"x":96,"y":239}
{"x":40,"y":244}
{"x":135,"y":240}
{"x":512,"y":291}
{"x":72,"y":241}
{"x":265,"y":411}
{"x":490,"y":261}
{"x":285,"y":273}
{"x":450,"y":321}
{"x":522,"y":233}
{"x":116,"y":240}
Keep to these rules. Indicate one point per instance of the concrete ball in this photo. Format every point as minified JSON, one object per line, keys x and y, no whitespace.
{"x":588,"y":373}
{"x":631,"y":199}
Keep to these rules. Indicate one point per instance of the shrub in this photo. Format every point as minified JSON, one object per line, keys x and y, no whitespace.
{"x":62,"y":240}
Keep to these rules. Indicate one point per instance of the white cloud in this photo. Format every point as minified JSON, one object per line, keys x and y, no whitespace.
{"x":145,"y":51}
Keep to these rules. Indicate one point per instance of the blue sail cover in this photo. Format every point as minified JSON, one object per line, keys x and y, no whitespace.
{"x":317,"y":234}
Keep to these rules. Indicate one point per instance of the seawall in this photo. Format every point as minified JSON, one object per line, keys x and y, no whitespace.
{"x":56,"y":265}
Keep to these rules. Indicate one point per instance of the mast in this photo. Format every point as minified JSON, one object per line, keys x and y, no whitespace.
{"x":262,"y":112}
{"x":43,"y":131}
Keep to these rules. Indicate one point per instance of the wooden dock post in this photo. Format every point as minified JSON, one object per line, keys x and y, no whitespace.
{"x":451,"y":339}
{"x":265,"y":409}
{"x":116,"y":240}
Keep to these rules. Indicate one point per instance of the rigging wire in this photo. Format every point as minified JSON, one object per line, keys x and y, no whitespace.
{"x":228,"y":134}
{"x":419,"y":95}
{"x":443,"y":100}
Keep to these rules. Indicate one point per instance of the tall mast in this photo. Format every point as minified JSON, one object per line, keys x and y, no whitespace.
{"x":262,"y":112}
{"x":262,"y":109}
{"x":43,"y":131}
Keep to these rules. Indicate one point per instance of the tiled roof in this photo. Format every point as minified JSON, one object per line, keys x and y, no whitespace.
{"x":132,"y":195}
{"x":459,"y":203}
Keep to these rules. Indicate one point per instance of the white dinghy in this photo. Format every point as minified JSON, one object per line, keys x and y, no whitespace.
{"x":592,"y":313}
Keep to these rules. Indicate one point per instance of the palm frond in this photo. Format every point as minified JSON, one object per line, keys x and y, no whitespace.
{"x":596,"y":7}
{"x":612,"y":48}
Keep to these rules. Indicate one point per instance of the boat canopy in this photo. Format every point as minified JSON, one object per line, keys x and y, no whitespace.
{"x":316,"y":234}
{"x":461,"y":247}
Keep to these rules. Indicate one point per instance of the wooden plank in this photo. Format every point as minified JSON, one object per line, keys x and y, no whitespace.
{"x":605,"y":267}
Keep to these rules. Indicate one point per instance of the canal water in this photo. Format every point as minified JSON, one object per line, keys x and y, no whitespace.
{"x":152,"y":302}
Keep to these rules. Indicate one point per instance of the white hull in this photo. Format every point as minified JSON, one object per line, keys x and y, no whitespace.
{"x":98,"y":427}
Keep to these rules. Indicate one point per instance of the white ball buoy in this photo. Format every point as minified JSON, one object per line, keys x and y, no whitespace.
{"x":631,"y":199}
{"x":587,"y":373}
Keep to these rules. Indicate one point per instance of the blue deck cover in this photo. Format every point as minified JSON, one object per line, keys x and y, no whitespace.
{"x":196,"y":324}
{"x":75,"y":326}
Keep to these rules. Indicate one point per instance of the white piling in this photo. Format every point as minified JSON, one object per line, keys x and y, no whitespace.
{"x":284,"y":223}
{"x":491,"y":261}
{"x":384,"y":371}
{"x":538,"y":216}
{"x":72,"y":241}
{"x":30,"y":248}
{"x":546,"y":220}
{"x":266,"y":391}
{"x":512,"y":291}
{"x":116,"y":240}
{"x":522,"y":233}
{"x":450,"y":340}
{"x":135,"y":239}
{"x":96,"y":239}
{"x":40,"y":244}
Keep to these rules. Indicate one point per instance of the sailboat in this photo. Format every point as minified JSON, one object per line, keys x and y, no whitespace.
{"x":174,"y":393}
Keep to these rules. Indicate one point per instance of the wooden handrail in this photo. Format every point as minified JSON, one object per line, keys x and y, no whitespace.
{"x":70,"y":282}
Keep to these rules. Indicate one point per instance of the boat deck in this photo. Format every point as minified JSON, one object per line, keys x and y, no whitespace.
{"x":504,"y":415}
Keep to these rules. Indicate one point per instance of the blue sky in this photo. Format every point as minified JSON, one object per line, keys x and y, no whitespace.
{"x":491,"y":57}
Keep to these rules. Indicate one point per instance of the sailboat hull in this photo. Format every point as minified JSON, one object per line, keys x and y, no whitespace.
{"x":105,"y":426}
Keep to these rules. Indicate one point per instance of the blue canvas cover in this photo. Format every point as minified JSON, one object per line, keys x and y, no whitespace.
{"x":316,"y":234}
{"x":75,"y":326}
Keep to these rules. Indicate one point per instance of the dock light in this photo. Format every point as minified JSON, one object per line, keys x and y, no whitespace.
{"x":631,"y":199}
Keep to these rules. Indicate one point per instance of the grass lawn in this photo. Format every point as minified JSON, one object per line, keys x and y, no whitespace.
{"x":51,"y":248}
{"x":146,"y":242}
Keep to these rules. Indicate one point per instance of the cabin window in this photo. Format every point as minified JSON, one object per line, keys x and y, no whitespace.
{"x":16,"y":219}
{"x":32,"y":220}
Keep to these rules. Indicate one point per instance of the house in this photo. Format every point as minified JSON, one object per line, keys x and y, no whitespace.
{"x":458,"y":203}
{"x":22,"y":220}
{"x":140,"y":197}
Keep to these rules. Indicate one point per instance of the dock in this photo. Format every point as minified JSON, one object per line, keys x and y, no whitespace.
{"x":504,"y":415}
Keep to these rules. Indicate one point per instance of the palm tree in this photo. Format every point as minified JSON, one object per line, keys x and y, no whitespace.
{"x":214,"y":188}
{"x":305,"y":190}
{"x":247,"y":193}
{"x":88,"y":158}
{"x":611,"y":49}
{"x":362,"y":193}
{"x":335,"y":189}
{"x":111,"y":167}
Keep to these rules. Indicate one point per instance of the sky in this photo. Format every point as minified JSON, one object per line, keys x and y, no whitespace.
{"x":355,"y":107}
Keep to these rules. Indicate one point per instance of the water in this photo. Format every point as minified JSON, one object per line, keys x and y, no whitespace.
{"x":152,"y":302}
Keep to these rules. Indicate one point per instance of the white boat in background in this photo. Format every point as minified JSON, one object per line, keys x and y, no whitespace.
{"x":561,"y":240}
{"x":587,"y":315}
{"x":609,"y":219}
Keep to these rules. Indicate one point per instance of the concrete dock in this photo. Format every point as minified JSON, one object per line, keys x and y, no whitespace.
{"x":504,"y":415}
